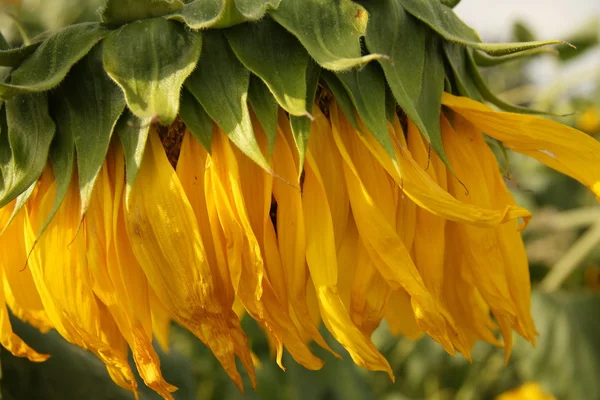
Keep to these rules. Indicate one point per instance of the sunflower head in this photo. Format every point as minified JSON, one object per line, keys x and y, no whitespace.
{"x":301,"y":161}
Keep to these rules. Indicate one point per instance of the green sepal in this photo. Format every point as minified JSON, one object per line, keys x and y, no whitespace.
{"x":48,"y":65}
{"x":488,"y":95}
{"x":390,"y":105}
{"x":329,"y":30}
{"x":485,"y":60}
{"x":417,"y":81}
{"x":133,"y":133}
{"x":444,"y":21}
{"x":150,"y":60}
{"x":220,"y":83}
{"x":301,"y":125}
{"x":13,"y":57}
{"x":366,"y":88}
{"x":266,"y":109}
{"x":202,"y":14}
{"x":24,"y":147}
{"x":62,"y":152}
{"x":194,"y":116}
{"x":90,"y":105}
{"x":119,"y":12}
{"x":457,"y":57}
{"x":277,"y":57}
{"x":341,"y":97}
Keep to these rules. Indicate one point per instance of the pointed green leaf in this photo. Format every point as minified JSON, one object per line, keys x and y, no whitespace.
{"x":220,"y":83}
{"x":444,"y":21}
{"x":485,"y":60}
{"x":13,"y":57}
{"x":202,"y":14}
{"x":266,"y":109}
{"x":52,"y":60}
{"x":488,"y":95}
{"x":342,"y":97}
{"x":301,"y":125}
{"x":390,"y":105}
{"x":62,"y":152}
{"x":133,"y":133}
{"x":277,"y":57}
{"x":91,"y":105}
{"x":329,"y":30}
{"x":25,"y":145}
{"x":119,"y":12}
{"x":196,"y":119}
{"x":150,"y":59}
{"x":415,"y":70}
{"x":457,"y":56}
{"x":366,"y":88}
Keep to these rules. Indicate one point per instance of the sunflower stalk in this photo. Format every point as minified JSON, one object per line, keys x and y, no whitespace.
{"x":197,"y":161}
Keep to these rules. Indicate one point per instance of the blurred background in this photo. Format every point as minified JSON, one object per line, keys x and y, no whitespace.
{"x":563,"y":244}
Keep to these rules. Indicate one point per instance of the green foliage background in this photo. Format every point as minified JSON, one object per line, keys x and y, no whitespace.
{"x":564,"y":236}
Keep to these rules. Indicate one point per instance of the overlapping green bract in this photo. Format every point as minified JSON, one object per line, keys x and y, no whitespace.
{"x":233,"y":57}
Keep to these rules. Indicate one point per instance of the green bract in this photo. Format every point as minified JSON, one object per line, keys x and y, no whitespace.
{"x":151,"y":61}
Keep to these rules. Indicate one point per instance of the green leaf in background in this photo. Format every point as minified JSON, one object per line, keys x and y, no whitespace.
{"x":220,"y":83}
{"x":458,"y":59}
{"x":202,"y":14}
{"x":341,"y":97}
{"x":122,"y":11}
{"x":52,"y":60}
{"x":444,"y":21}
{"x":366,"y":88}
{"x":415,"y":70}
{"x":330,"y":31}
{"x":91,"y":105}
{"x":133,"y":133}
{"x":277,"y":57}
{"x":566,"y":360}
{"x":301,"y":125}
{"x":149,"y":60}
{"x":24,"y":148}
{"x":196,"y":119}
{"x":266,"y":109}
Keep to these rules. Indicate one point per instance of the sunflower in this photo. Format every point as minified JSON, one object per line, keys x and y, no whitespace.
{"x":303,"y":162}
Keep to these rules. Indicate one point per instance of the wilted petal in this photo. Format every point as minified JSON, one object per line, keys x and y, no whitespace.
{"x":563,"y":148}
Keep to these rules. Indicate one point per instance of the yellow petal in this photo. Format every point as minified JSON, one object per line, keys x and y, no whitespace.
{"x":419,"y":187}
{"x":166,"y":241}
{"x":19,"y":289}
{"x":563,"y":148}
{"x":322,"y":199}
{"x":59,"y":268}
{"x":400,"y":316}
{"x":370,"y":192}
{"x":244,"y":254}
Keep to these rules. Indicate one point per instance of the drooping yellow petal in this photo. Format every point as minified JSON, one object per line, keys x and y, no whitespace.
{"x":20,"y":292}
{"x":166,"y":241}
{"x":322,"y":198}
{"x":9,"y":340}
{"x":563,"y":148}
{"x":244,"y":254}
{"x":291,"y":235}
{"x":118,"y":279}
{"x":481,"y":247}
{"x":370,"y":192}
{"x":192,"y":173}
{"x":419,"y":187}
{"x":59,"y":268}
{"x":400,"y":316}
{"x":511,"y":244}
